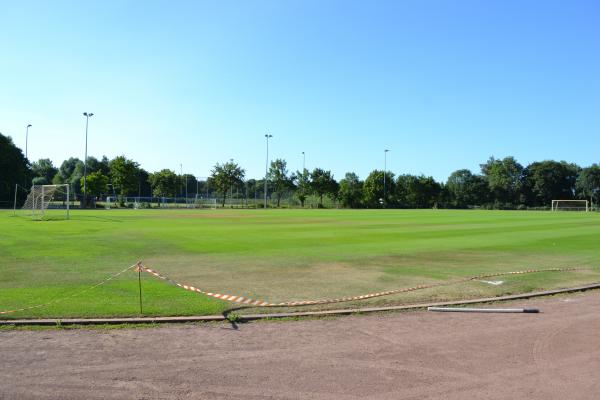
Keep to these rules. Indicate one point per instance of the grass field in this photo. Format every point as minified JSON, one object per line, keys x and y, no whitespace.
{"x":281,"y":255}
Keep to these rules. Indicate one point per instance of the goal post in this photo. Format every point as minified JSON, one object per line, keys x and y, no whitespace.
{"x":570,"y":205}
{"x":44,"y":197}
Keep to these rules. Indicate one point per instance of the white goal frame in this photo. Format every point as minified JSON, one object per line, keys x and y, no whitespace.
{"x":585,"y":205}
{"x":40,"y":197}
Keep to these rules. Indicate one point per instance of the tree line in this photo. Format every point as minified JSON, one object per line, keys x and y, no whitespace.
{"x":500,"y":183}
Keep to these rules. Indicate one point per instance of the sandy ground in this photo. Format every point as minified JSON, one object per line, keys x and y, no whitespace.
{"x":413,"y":355}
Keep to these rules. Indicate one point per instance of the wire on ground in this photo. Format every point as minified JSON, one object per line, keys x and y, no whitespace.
{"x":73,"y":294}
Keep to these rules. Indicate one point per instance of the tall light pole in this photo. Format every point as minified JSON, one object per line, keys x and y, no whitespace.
{"x":26,"y":138}
{"x":87,"y":120}
{"x":267,"y":167}
{"x":384,"y":174}
{"x":303,"y":162}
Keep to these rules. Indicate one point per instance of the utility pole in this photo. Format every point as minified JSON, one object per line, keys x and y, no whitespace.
{"x":303,"y":162}
{"x":87,"y":120}
{"x":384,"y":174}
{"x":27,"y":138}
{"x":267,"y":168}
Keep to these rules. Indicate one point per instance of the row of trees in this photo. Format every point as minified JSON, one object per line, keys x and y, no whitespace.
{"x":501,"y":183}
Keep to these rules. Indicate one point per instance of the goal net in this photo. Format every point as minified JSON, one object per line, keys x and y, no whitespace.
{"x":570,"y":205}
{"x":42,"y":198}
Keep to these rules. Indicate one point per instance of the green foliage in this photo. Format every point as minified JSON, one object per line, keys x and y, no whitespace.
{"x":588,"y":182}
{"x":373,"y":189}
{"x":303,"y":185}
{"x":70,"y":172}
{"x":144,"y":188}
{"x":191,"y":184}
{"x":550,"y":180}
{"x":233,"y":317}
{"x":466,"y":189}
{"x":351,"y":191}
{"x":97,"y":183}
{"x":322,"y":183}
{"x":43,"y":168}
{"x":225,"y":176}
{"x":124,"y":174}
{"x":417,"y":191}
{"x":280,"y":178}
{"x":14,"y":169}
{"x":505,"y":180}
{"x":93,"y":165}
{"x":164,"y":183}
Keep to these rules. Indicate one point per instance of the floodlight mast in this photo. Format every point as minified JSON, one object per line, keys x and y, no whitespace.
{"x":384,"y":174}
{"x":87,"y":119}
{"x":303,"y":162}
{"x":27,"y":138}
{"x":267,"y":167}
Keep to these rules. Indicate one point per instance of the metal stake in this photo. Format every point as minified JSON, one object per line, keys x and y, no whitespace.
{"x":140,"y":285}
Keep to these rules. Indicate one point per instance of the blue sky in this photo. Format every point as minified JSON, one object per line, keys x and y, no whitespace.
{"x":442,"y":84}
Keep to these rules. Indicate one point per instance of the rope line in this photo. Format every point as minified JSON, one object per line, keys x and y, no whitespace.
{"x":261,"y":303}
{"x":74,"y":294}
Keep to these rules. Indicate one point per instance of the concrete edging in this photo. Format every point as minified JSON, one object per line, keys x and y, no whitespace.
{"x":253,"y":317}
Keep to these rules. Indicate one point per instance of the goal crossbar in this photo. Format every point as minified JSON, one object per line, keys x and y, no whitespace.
{"x":570,"y":205}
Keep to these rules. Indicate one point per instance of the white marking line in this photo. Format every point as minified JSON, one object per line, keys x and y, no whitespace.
{"x":495,"y":283}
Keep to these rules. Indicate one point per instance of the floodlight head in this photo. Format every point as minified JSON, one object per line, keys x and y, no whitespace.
{"x":88,"y":114}
{"x":386,"y":150}
{"x":29,"y":125}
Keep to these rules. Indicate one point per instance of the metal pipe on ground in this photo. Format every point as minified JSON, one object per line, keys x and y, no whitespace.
{"x":484,"y":310}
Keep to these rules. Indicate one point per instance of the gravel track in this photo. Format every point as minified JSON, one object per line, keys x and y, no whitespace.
{"x":411,"y":355}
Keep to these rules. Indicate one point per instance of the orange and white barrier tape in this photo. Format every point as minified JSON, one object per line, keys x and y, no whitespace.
{"x":261,"y":303}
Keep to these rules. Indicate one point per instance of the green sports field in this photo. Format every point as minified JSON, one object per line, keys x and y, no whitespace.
{"x":282,"y":255}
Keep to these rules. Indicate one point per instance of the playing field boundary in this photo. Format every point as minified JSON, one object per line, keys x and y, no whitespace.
{"x":253,"y":317}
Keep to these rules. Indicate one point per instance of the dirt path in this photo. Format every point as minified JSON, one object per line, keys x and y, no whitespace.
{"x":415,"y":355}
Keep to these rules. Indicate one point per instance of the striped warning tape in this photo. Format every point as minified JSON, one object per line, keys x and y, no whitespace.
{"x":261,"y":303}
{"x":137,"y":265}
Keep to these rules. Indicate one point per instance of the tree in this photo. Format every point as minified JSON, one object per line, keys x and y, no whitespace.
{"x":93,"y":165}
{"x":70,"y":172}
{"x":164,"y":183}
{"x":97,"y":183}
{"x":279,"y":176}
{"x":224,"y":176}
{"x":351,"y":191}
{"x":14,"y":169}
{"x":373,"y":190}
{"x":303,"y":185}
{"x":144,"y":188}
{"x":505,"y":180}
{"x":588,"y":182}
{"x":466,"y":189}
{"x":550,"y":180}
{"x":44,"y":170}
{"x":322,"y":183}
{"x":417,"y":191}
{"x":124,"y":175}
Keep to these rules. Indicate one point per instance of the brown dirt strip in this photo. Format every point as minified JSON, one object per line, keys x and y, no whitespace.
{"x":413,"y":355}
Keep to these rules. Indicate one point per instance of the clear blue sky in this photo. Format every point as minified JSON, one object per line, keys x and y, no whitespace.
{"x":443,"y":84}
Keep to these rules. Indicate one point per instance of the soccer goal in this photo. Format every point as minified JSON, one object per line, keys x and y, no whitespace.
{"x":46,"y":197}
{"x":570,"y":205}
